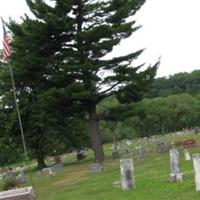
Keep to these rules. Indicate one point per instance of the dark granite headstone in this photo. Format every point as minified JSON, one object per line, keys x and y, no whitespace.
{"x":162,"y":148}
{"x":189,"y":143}
{"x":80,"y":155}
{"x":57,"y":160}
{"x":115,"y":154}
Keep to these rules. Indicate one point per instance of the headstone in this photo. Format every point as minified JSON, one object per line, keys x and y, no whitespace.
{"x":57,"y":168}
{"x":80,"y":155}
{"x":176,"y":174}
{"x":187,"y":154}
{"x":58,"y":165}
{"x":21,"y":178}
{"x":123,"y":149}
{"x":57,"y":160}
{"x":18,"y":194}
{"x":162,"y":148}
{"x":47,"y":171}
{"x":139,"y":152}
{"x":127,"y":174}
{"x":196,"y":130}
{"x":96,"y":167}
{"x":128,"y":142}
{"x":115,"y":154}
{"x":189,"y":143}
{"x":196,"y":163}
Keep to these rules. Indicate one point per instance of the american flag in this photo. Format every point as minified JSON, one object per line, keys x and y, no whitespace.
{"x":6,"y":43}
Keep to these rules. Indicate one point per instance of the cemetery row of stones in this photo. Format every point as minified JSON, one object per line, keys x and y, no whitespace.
{"x":126,"y":166}
{"x":127,"y":175}
{"x":146,"y":145}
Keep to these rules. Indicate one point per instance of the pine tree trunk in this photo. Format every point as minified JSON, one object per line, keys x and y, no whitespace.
{"x":113,"y":126}
{"x":39,"y":152}
{"x":163,"y":128}
{"x":97,"y":146}
{"x":40,"y":160}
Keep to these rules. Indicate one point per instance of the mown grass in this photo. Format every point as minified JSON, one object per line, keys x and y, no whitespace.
{"x":76,"y":182}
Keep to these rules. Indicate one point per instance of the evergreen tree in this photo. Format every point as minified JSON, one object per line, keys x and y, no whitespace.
{"x":64,"y":47}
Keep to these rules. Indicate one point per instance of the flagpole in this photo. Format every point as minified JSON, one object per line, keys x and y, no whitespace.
{"x":20,"y":123}
{"x":18,"y":111}
{"x":19,"y":118}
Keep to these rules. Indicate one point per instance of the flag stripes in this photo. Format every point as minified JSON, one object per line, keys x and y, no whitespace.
{"x":6,"y":48}
{"x":6,"y":43}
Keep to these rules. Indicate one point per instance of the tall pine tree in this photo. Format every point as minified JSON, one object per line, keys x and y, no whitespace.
{"x":71,"y":39}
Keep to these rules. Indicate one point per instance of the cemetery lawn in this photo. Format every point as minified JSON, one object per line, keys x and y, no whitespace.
{"x":76,"y":182}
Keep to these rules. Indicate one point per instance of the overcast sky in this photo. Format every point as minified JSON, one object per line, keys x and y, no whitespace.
{"x":170,"y":29}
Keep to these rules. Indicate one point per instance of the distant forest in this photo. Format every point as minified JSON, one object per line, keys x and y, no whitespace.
{"x":172,"y":104}
{"x":176,"y":84}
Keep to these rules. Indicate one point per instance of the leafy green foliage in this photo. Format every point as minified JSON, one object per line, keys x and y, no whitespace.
{"x":64,"y":48}
{"x":10,"y":182}
{"x":58,"y":58}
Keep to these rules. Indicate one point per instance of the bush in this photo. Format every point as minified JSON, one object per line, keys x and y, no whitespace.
{"x":10,"y":182}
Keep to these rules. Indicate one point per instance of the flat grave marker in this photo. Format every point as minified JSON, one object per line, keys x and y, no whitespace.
{"x":96,"y":167}
{"x":18,"y":194}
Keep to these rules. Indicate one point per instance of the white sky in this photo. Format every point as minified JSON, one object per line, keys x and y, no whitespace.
{"x":171,"y":29}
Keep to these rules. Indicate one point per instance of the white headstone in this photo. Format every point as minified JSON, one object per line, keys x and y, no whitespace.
{"x":176,"y":174}
{"x":128,"y":142}
{"x":187,"y":154}
{"x":47,"y":171}
{"x":127,"y":174}
{"x":196,"y":163}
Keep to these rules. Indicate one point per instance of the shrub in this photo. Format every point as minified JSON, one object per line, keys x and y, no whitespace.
{"x":10,"y":182}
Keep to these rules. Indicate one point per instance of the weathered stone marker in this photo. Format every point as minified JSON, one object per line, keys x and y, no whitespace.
{"x":139,"y":152}
{"x":18,"y":194}
{"x":115,"y":154}
{"x":187,"y":154}
{"x":196,"y":163}
{"x":176,"y":174}
{"x":162,"y":148}
{"x":127,"y":174}
{"x":96,"y":167}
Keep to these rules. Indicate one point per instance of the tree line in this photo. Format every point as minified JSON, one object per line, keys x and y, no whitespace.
{"x":176,"y":84}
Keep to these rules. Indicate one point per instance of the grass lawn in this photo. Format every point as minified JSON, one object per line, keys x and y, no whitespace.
{"x":76,"y":182}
